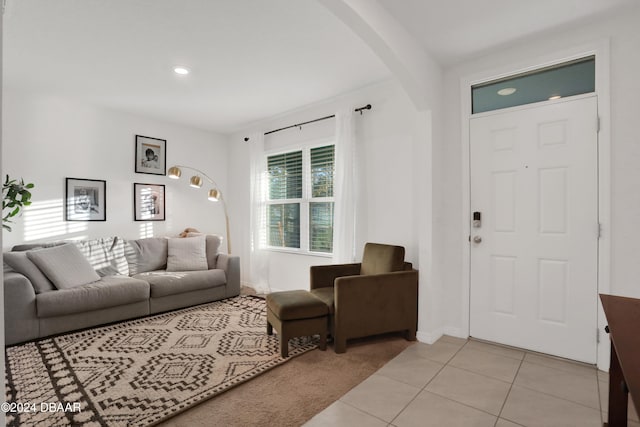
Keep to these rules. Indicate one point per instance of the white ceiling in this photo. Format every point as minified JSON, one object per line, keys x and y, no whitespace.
{"x":456,"y":30}
{"x":250,"y":59}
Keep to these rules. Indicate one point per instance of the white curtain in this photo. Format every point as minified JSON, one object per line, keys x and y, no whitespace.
{"x":258,"y":257}
{"x":344,"y":184}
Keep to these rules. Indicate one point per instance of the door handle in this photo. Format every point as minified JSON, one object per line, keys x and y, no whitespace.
{"x":477,"y":239}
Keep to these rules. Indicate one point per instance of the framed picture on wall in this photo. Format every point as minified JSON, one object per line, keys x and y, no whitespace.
{"x":151,"y":155}
{"x":85,"y":200}
{"x":148,"y":202}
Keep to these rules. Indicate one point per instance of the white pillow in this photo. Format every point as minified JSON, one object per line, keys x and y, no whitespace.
{"x":187,"y":254}
{"x":64,"y":265}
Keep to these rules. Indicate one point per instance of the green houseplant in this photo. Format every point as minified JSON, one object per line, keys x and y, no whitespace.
{"x":15,"y":195}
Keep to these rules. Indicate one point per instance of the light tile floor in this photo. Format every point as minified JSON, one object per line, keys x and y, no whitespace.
{"x":457,"y":382}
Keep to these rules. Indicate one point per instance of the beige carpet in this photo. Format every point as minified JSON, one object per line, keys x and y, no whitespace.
{"x":139,"y":372}
{"x":291,"y":394}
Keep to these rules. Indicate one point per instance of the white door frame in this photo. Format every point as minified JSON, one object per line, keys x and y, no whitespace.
{"x":601,"y":52}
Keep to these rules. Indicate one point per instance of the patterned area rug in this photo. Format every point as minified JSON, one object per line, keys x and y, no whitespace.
{"x":140,"y":372}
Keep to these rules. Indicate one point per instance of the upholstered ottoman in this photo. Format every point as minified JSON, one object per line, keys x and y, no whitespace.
{"x":296,"y":314}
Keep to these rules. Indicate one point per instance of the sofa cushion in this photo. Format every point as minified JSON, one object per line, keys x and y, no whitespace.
{"x":163,"y":283}
{"x":146,"y":254}
{"x":107,"y":292}
{"x":30,"y":246}
{"x":379,"y":259}
{"x":64,"y":265}
{"x":105,"y":255}
{"x":187,"y":254}
{"x":23,"y":265}
{"x":295,"y":305}
{"x":213,"y":245}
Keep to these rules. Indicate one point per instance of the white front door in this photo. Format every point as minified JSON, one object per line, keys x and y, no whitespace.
{"x":534,"y":253}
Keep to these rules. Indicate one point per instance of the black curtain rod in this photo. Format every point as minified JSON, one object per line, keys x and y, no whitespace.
{"x":359,"y":110}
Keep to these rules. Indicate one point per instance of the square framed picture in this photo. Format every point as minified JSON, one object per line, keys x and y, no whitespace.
{"x":148,"y":202}
{"x":151,"y":155}
{"x":85,"y":200}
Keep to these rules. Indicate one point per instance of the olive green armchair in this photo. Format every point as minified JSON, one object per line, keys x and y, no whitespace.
{"x":376,"y":296}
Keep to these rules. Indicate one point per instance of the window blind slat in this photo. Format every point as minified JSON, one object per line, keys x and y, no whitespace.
{"x":322,"y":171}
{"x":285,"y":175}
{"x":321,"y":227}
{"x":284,"y":225}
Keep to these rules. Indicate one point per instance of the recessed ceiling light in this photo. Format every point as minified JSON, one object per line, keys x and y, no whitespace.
{"x":555,"y":97}
{"x":181,"y":70}
{"x":507,"y":91}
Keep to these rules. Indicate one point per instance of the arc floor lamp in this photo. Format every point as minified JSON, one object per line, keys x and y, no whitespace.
{"x":214,"y":194}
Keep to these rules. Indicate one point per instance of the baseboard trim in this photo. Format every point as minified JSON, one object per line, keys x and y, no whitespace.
{"x":432,"y":337}
{"x":429,"y":337}
{"x":455,"y":332}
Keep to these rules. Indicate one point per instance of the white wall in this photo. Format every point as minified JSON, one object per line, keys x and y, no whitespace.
{"x":387,"y":209}
{"x":47,"y":139}
{"x":2,"y":360}
{"x":622,"y":30}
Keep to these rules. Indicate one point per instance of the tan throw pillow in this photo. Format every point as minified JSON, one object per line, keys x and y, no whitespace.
{"x":64,"y":265}
{"x":187,"y":254}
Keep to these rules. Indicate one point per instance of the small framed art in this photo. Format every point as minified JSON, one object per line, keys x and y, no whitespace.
{"x":85,"y":200}
{"x":148,"y":202}
{"x":151,"y":155}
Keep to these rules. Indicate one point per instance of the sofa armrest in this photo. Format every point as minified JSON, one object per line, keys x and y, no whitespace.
{"x":231,"y":266}
{"x":20,"y":318}
{"x":375,"y":304}
{"x":323,"y":276}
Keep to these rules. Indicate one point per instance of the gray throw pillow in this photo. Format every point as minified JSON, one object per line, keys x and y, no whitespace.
{"x":64,"y":265}
{"x":213,"y":245}
{"x":187,"y":254}
{"x":146,"y":254}
{"x":106,"y":255}
{"x":23,"y":265}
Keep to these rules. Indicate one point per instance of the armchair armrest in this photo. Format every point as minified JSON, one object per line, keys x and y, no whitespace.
{"x":323,"y":276}
{"x":375,"y":304}
{"x":231,"y":266}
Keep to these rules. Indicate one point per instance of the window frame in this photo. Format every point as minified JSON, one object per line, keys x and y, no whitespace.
{"x":305,"y":201}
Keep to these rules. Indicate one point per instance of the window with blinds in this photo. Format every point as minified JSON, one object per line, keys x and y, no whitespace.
{"x":285,"y":176}
{"x":321,"y":205}
{"x":300,"y":206}
{"x":322,"y":168}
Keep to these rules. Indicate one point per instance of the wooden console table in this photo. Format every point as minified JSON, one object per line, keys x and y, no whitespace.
{"x":623,"y":316}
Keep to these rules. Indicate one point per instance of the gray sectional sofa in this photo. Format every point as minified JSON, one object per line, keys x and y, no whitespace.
{"x":64,"y":286}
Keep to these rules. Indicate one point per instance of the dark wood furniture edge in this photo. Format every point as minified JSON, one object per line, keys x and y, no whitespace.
{"x":623,"y":316}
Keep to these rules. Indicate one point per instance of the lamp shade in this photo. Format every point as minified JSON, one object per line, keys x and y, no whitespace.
{"x":195,"y":181}
{"x":174,"y":172}
{"x":214,"y":195}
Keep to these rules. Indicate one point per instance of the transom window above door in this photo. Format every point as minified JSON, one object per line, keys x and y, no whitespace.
{"x":558,"y":81}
